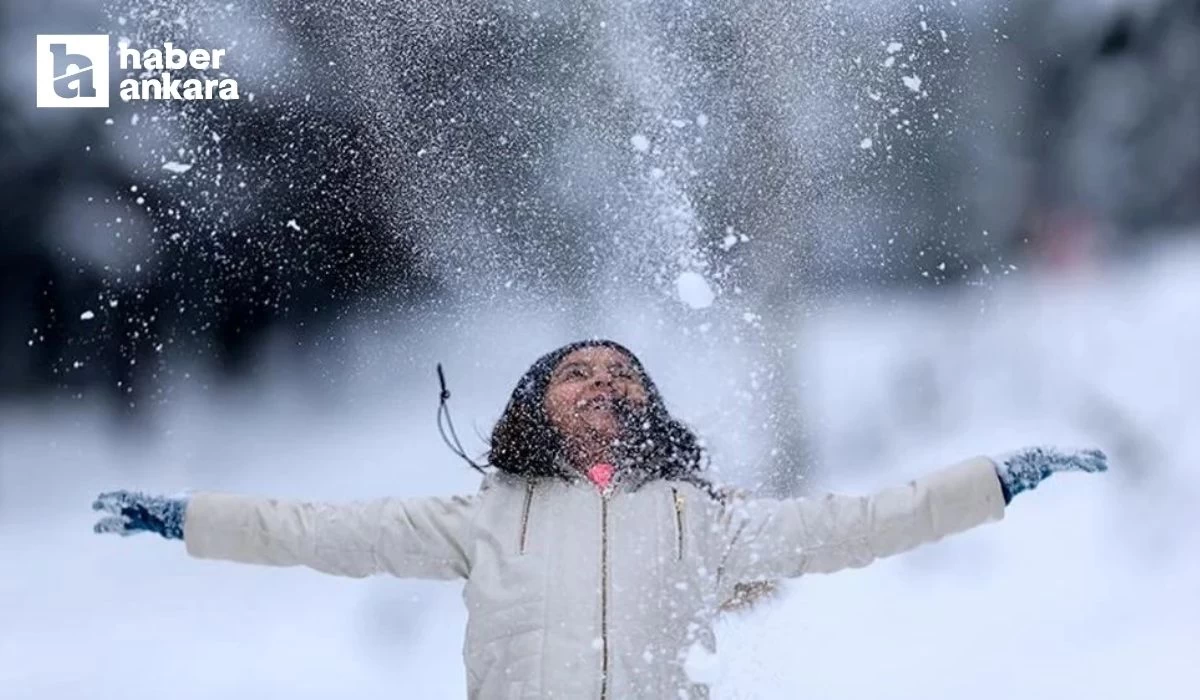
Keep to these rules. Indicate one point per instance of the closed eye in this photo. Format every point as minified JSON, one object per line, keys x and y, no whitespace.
{"x":574,"y":371}
{"x":622,"y":371}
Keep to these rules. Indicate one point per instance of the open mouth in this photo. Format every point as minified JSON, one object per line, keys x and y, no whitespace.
{"x":597,"y":403}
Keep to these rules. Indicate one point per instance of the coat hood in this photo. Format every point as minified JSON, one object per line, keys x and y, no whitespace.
{"x":524,"y":443}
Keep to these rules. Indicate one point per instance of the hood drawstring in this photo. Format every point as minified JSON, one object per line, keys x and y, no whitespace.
{"x":450,"y":436}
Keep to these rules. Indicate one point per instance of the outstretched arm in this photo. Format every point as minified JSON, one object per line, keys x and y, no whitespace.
{"x":419,"y":538}
{"x":772,"y":538}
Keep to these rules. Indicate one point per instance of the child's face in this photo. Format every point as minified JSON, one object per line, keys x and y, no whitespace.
{"x":584,"y":388}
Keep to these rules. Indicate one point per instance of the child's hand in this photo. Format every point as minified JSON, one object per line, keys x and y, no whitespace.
{"x":134,"y":512}
{"x":1023,"y":469}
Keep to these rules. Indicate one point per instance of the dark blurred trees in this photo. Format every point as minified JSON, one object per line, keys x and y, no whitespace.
{"x":398,"y":156}
{"x":1097,"y":123}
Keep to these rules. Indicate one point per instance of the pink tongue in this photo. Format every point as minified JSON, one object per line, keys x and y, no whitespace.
{"x":601,"y":474}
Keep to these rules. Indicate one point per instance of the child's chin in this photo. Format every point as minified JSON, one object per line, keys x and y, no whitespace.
{"x":608,"y":427}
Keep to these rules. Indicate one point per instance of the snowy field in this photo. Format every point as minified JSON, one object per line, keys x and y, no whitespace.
{"x":1089,"y":588}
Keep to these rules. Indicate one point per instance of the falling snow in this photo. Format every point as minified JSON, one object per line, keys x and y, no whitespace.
{"x":694,"y":290}
{"x":522,"y":168}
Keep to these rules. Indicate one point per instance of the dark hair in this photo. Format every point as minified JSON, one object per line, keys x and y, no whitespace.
{"x":525,"y":444}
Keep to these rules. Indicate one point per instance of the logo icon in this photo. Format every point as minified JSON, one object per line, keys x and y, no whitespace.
{"x":72,"y":70}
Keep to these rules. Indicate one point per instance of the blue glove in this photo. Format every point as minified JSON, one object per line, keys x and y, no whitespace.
{"x":1021,"y":470}
{"x":134,"y":512}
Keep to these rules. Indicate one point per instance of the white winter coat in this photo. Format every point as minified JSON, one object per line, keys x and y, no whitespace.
{"x":574,"y":594}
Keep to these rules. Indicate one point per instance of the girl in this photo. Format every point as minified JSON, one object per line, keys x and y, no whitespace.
{"x":596,"y":552}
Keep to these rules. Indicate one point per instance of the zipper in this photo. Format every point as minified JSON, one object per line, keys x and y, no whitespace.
{"x":678,"y":499}
{"x":604,"y":596}
{"x":524,"y":539}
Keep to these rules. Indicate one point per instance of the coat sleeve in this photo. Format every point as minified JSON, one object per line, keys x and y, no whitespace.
{"x":773,"y":538}
{"x":417,"y":538}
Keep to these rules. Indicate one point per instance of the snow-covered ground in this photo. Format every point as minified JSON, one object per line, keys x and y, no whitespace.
{"x":1089,"y":588}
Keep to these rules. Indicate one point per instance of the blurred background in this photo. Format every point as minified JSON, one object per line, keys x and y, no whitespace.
{"x":852,"y":242}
